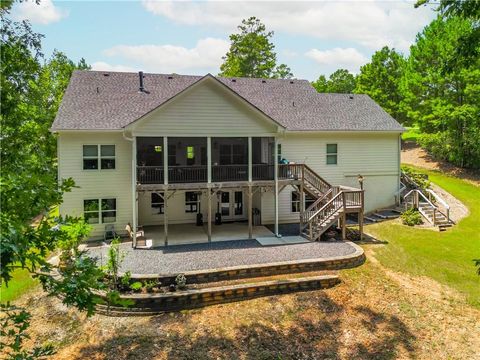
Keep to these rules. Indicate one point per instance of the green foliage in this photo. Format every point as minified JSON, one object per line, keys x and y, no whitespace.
{"x":252,"y":54}
{"x":412,"y":134}
{"x":421,"y":179}
{"x":14,"y":323}
{"x":136,"y":286}
{"x":411,"y":217}
{"x":150,"y":285}
{"x":114,"y":261}
{"x":443,"y":98}
{"x":125,"y":279}
{"x":380,"y":79}
{"x":341,"y":81}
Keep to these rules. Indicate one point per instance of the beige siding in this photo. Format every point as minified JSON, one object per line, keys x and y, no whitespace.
{"x":375,"y":156}
{"x":206,"y":110}
{"x":94,"y":184}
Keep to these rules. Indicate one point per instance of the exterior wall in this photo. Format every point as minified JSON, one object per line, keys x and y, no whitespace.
{"x":374,"y":156}
{"x":206,"y":110}
{"x":176,"y":209}
{"x":95,"y":184}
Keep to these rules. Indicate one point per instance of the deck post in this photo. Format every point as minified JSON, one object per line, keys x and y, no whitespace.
{"x":250,"y":212}
{"x":209,"y":159}
{"x":250,"y":166}
{"x":209,"y":213}
{"x":344,"y":217}
{"x":275,"y":196}
{"x":134,"y":192}
{"x":165,"y":193}
{"x":165,"y":214}
{"x":302,"y":202}
{"x":360,"y":215}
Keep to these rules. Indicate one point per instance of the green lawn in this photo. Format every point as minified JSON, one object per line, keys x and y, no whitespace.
{"x":411,"y":134}
{"x":446,"y":257}
{"x":20,"y":284}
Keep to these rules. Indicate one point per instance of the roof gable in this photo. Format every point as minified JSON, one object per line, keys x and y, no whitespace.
{"x":206,"y":107}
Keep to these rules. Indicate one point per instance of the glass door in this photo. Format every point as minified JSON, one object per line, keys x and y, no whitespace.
{"x":232,"y":205}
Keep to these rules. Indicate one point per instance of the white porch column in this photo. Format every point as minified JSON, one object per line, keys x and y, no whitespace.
{"x":209,"y":159}
{"x":250,"y":166}
{"x":165,"y":192}
{"x":134,"y":192}
{"x":209,"y":189}
{"x":275,"y":196}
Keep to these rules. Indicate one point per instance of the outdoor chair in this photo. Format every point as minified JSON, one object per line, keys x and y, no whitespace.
{"x":142,"y":241}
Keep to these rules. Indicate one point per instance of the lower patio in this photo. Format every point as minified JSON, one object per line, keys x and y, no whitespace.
{"x":226,"y":255}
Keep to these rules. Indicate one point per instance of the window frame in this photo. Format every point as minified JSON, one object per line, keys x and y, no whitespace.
{"x":331,"y":154}
{"x":295,"y":204}
{"x":161,"y":203}
{"x":100,"y":211}
{"x":99,"y":157}
{"x":193,"y":204}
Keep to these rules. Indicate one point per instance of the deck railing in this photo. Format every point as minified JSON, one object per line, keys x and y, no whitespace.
{"x":263,"y":172}
{"x":150,"y":174}
{"x":222,"y":173}
{"x":187,"y":174}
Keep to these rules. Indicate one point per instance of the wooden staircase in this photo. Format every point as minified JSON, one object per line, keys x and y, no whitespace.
{"x":430,"y":205}
{"x":331,"y":204}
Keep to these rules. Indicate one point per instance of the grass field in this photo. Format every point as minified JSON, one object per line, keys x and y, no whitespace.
{"x":446,"y":257}
{"x":411,"y":134}
{"x":21,"y":283}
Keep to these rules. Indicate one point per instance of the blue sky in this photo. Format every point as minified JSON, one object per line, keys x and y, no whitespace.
{"x":312,"y":38}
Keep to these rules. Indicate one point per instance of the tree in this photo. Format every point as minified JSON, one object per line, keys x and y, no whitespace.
{"x":380,"y":79}
{"x":444,"y":103}
{"x":252,"y":54}
{"x":341,"y":81}
{"x":31,"y":93}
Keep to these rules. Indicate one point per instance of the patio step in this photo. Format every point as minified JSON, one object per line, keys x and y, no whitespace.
{"x":150,"y":304}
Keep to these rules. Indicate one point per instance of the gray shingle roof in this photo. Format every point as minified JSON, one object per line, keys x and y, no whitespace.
{"x":110,"y":100}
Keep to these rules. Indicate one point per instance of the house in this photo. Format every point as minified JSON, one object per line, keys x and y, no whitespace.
{"x":158,"y":150}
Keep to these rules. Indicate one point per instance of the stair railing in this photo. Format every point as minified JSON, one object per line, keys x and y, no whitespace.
{"x":324,"y":213}
{"x":416,"y":201}
{"x":440,"y":200}
{"x":311,"y":177}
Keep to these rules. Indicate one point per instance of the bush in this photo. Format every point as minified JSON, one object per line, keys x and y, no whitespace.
{"x":411,"y":217}
{"x":419,"y":178}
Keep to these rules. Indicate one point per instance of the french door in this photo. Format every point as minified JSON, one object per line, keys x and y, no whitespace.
{"x":232,"y":205}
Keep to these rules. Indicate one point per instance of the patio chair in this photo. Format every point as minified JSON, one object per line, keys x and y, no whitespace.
{"x":142,"y":241}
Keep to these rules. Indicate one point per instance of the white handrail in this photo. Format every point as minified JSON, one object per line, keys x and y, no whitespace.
{"x":423,"y":196}
{"x":439,"y":199}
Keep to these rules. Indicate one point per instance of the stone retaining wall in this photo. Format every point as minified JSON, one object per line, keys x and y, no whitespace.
{"x":262,"y":270}
{"x":149,"y":304}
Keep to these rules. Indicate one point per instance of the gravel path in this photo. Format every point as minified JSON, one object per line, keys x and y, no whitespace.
{"x":181,"y":258}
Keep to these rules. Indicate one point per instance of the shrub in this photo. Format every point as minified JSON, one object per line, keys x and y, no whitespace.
{"x":411,"y":217}
{"x":420,"y":179}
{"x":150,"y":285}
{"x":136,"y":286}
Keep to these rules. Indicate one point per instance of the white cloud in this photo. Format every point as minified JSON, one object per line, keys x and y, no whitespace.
{"x":43,"y":13}
{"x":368,"y":23}
{"x":103,"y":66}
{"x":205,"y":56}
{"x":348,"y":58}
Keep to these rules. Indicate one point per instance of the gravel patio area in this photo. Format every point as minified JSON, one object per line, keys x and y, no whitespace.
{"x":182,"y":258}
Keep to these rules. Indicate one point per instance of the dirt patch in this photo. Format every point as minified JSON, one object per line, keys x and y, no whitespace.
{"x":413,"y":154}
{"x":373,"y":314}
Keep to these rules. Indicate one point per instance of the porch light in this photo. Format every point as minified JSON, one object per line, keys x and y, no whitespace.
{"x":360,"y":181}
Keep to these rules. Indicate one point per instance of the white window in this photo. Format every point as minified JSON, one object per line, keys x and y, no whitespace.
{"x":331,"y":154}
{"x":157,"y":203}
{"x":96,"y":211}
{"x":295,"y":200}
{"x":191,"y":202}
{"x":95,"y":156}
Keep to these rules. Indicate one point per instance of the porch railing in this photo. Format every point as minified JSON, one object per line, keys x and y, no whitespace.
{"x":150,"y":174}
{"x":187,"y":174}
{"x":263,"y":172}
{"x":229,"y":173}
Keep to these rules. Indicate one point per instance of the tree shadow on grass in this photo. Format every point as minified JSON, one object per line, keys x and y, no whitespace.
{"x":313,"y":326}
